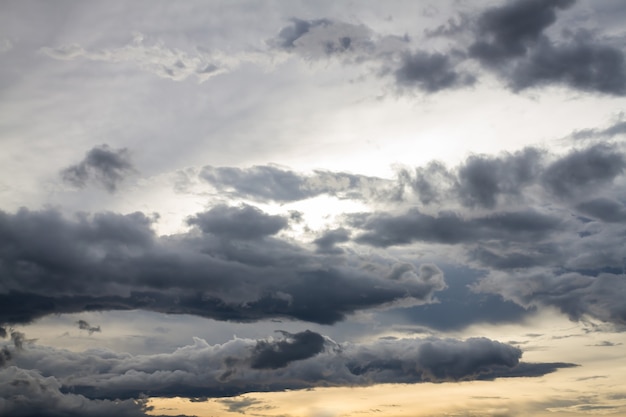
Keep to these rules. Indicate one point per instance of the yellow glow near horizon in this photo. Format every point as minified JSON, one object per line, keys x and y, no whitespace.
{"x":593,"y":388}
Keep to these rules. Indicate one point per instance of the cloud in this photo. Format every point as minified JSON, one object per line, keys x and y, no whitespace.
{"x":83,"y":325}
{"x":29,"y":393}
{"x":605,"y":209}
{"x":431,"y":72}
{"x":359,"y":44}
{"x":270,"y":183}
{"x":584,"y":169}
{"x":582,"y":64}
{"x":51,"y":264}
{"x":482,"y":179}
{"x":103,"y":166}
{"x":381,"y":229}
{"x":508,"y":31}
{"x":618,"y":128}
{"x":288,"y":35}
{"x":244,"y":222}
{"x":485,"y":181}
{"x":329,"y":239}
{"x":296,"y":361}
{"x":278,"y":354}
{"x":575,"y":294}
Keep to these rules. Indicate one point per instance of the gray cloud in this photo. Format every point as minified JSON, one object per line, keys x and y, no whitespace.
{"x":582,"y":64}
{"x":51,"y":264}
{"x":510,"y":39}
{"x":383,"y":230}
{"x":430,"y":72}
{"x":575,"y":294}
{"x":28,"y":393}
{"x":298,"y":361}
{"x":508,"y":31}
{"x":244,"y":222}
{"x":482,"y":179}
{"x":103,"y":166}
{"x":278,"y":354}
{"x":329,"y":239}
{"x":584,"y":169}
{"x":605,"y":209}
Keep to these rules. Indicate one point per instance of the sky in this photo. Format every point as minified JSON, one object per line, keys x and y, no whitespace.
{"x":312,"y":209}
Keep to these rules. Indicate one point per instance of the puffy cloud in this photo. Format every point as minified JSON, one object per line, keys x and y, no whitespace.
{"x":51,"y":264}
{"x":102,"y":166}
{"x":296,"y":361}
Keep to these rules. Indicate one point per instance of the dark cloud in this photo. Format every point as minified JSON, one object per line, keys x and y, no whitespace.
{"x":511,"y":40}
{"x":274,"y":354}
{"x":51,"y":264}
{"x":605,"y":209}
{"x":508,"y":31}
{"x":581,"y":64}
{"x":83,"y":325}
{"x":581,"y":170}
{"x":482,"y":179}
{"x":430,"y":72}
{"x":302,"y":360}
{"x":28,"y":393}
{"x":383,"y":230}
{"x":244,"y":222}
{"x":329,"y":239}
{"x":103,"y":166}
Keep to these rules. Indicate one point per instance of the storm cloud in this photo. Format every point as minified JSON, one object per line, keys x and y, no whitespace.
{"x":52,"y":264}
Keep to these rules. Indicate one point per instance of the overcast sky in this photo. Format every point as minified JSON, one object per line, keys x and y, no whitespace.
{"x":312,"y":209}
